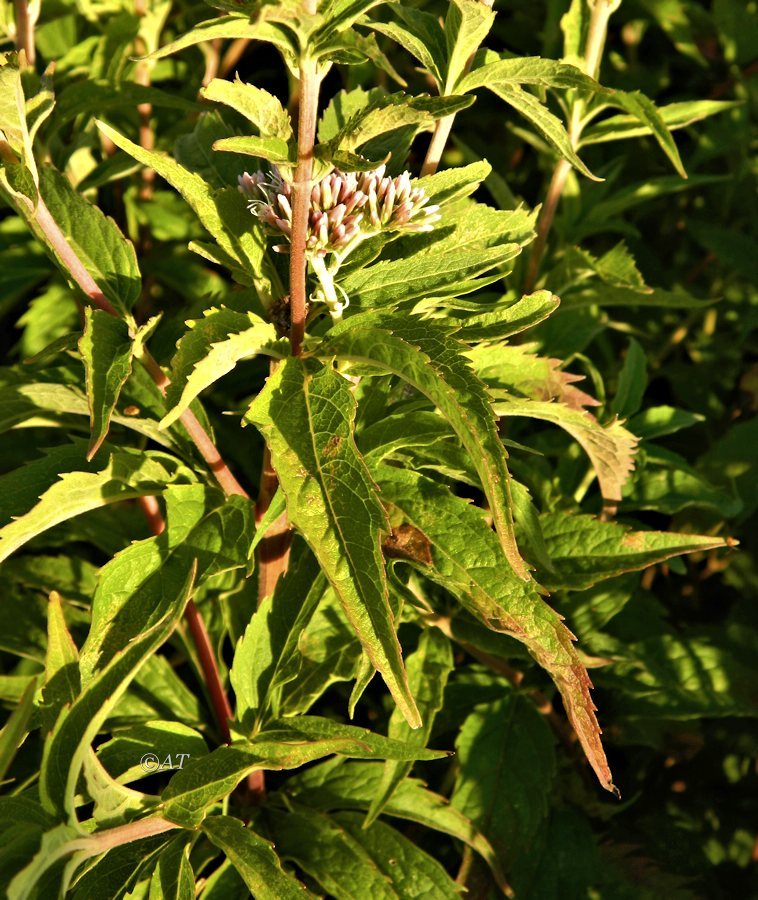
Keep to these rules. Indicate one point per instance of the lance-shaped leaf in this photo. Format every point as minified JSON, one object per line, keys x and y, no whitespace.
{"x":428,"y":669}
{"x":106,"y":349}
{"x":307,"y":417}
{"x":338,"y":784}
{"x":467,"y":24}
{"x":267,"y":656}
{"x":205,"y":781}
{"x":258,"y":106}
{"x":646,"y":112}
{"x":585,"y":550}
{"x":17,"y":727}
{"x":255,"y":860}
{"x":231,"y":27}
{"x":62,"y":681}
{"x":425,"y":355}
{"x":204,"y":530}
{"x":501,"y":320}
{"x":69,"y":744}
{"x":468,"y":561}
{"x":61,"y":485}
{"x":527,"y":70}
{"x":223,"y":213}
{"x":212,"y":348}
{"x":422,"y":36}
{"x":610,"y":447}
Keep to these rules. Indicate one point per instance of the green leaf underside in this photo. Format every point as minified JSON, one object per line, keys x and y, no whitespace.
{"x":428,"y":357}
{"x":211,"y":349}
{"x":106,"y":349}
{"x":306,"y":415}
{"x":469,"y":562}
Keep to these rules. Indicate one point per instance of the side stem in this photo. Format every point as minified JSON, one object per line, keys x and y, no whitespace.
{"x":593,"y":54}
{"x":25,"y":31}
{"x":301,"y":194}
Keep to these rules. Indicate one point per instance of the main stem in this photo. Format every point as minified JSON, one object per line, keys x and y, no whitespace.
{"x":593,"y":53}
{"x":301,"y":196}
{"x":25,"y":31}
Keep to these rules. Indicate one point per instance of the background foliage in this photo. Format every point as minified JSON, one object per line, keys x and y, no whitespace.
{"x":655,"y":275}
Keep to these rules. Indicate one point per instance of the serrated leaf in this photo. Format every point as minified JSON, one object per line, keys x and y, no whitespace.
{"x":454,"y":184}
{"x":507,"y":764}
{"x":585,"y":550}
{"x":258,"y":106}
{"x":106,"y":254}
{"x":506,"y":320}
{"x":673,"y":115}
{"x":211,"y":349}
{"x":338,"y":785}
{"x":514,"y":71}
{"x":273,"y":149}
{"x":62,"y":682}
{"x":547,"y":124}
{"x":632,"y":382}
{"x":173,"y":878}
{"x":339,"y":854}
{"x":221,"y":213}
{"x":468,"y":561}
{"x":610,"y":447}
{"x":61,"y":485}
{"x":306,"y":416}
{"x":231,"y":27}
{"x":121,"y":755}
{"x":425,"y":355}
{"x":422,"y":37}
{"x":428,"y":670}
{"x":467,"y":24}
{"x":267,"y":656}
{"x":106,"y":349}
{"x":205,"y":533}
{"x":65,"y":750}
{"x":203,"y":782}
{"x":254,"y":859}
{"x":645,"y":111}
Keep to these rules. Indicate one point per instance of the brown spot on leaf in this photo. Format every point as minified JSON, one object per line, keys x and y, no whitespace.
{"x":407,"y":542}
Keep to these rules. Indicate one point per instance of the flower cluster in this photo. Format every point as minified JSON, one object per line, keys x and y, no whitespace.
{"x":346,"y":208}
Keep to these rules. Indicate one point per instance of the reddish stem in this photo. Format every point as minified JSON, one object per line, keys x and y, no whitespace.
{"x":25,"y":31}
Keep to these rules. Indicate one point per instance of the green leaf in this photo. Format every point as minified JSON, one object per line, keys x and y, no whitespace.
{"x":61,"y":485}
{"x":422,"y":37}
{"x":673,"y":115}
{"x":69,"y":744}
{"x":428,"y":670}
{"x":610,"y":447}
{"x":62,"y":681}
{"x":339,"y":854}
{"x":497,"y":741}
{"x":267,"y":656}
{"x":468,"y":561}
{"x":547,"y":124}
{"x":585,"y":550}
{"x":258,"y":106}
{"x":467,"y":24}
{"x":273,"y":149}
{"x":515,"y":71}
{"x":506,"y":320}
{"x":306,"y":416}
{"x":16,"y":728}
{"x":425,"y":355}
{"x":454,"y":184}
{"x":338,"y":785}
{"x":254,"y":859}
{"x":632,"y":382}
{"x":173,"y":878}
{"x":645,"y":111}
{"x":211,"y":349}
{"x":121,"y":755}
{"x":230,"y":27}
{"x":223,"y":213}
{"x":205,"y":781}
{"x":106,"y":348}
{"x":659,"y":421}
{"x":205,"y":532}
{"x":106,"y":254}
